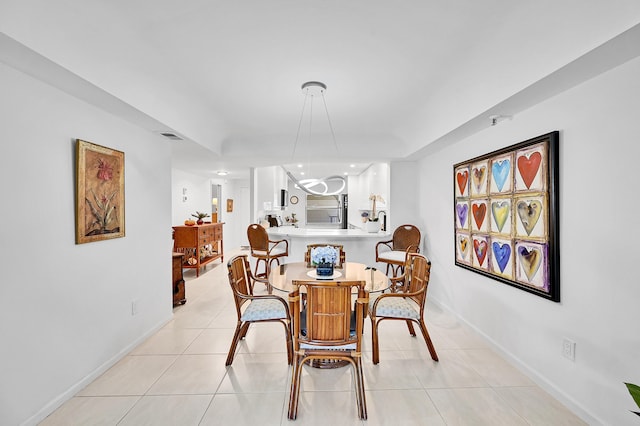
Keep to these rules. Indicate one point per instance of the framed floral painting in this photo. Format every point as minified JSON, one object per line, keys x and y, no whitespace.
{"x":506,"y":215}
{"x":99,"y":193}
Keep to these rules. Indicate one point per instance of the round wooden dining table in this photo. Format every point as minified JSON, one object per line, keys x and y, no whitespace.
{"x":282,"y":276}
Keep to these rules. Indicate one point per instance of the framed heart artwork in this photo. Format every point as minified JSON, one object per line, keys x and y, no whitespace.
{"x":506,"y":215}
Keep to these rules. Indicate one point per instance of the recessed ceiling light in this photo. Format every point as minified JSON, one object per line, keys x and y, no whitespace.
{"x":222,"y":173}
{"x":352,"y":165}
{"x":346,"y":173}
{"x":302,"y":173}
{"x":299,"y":166}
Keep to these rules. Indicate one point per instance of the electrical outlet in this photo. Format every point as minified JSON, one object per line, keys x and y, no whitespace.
{"x":569,"y":349}
{"x":134,"y":307}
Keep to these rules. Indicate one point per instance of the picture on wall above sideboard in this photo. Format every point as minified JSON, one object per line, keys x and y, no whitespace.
{"x":99,"y":192}
{"x":506,"y":215}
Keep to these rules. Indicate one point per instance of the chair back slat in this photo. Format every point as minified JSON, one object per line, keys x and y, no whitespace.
{"x":240,"y":279}
{"x":328,"y":313}
{"x":258,"y":237}
{"x":406,"y":236}
{"x":418,"y":276}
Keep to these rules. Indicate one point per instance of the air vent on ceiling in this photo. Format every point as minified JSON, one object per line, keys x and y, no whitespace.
{"x":171,"y":136}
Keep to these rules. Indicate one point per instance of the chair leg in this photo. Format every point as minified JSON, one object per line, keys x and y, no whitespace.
{"x":427,"y":338}
{"x":374,"y":337}
{"x":245,"y":328}
{"x":301,"y":361}
{"x":287,"y":330}
{"x":410,"y":327}
{"x":234,"y":342}
{"x":292,"y":389}
{"x":264,"y":274}
{"x":362,"y":401}
{"x":268,"y":272}
{"x":295,"y":386}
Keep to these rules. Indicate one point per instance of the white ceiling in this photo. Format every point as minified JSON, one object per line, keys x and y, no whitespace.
{"x":226,"y":75}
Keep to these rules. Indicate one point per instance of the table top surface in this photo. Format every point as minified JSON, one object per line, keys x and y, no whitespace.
{"x":281,"y":277}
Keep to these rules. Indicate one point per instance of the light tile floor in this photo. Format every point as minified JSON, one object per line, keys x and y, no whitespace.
{"x":178,"y":376}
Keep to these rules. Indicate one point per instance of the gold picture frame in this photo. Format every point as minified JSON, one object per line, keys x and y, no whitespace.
{"x":99,"y":193}
{"x":229,"y":205}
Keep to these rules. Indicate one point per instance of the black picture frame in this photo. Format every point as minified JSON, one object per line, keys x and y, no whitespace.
{"x":506,"y":215}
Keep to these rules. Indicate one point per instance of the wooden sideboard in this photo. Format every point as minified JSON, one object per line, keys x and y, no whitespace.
{"x":200,"y":244}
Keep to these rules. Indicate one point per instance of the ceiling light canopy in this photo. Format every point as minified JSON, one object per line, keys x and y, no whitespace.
{"x":314,"y":88}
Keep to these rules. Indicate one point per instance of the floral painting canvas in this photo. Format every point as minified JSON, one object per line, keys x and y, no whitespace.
{"x":506,"y":215}
{"x":99,"y":193}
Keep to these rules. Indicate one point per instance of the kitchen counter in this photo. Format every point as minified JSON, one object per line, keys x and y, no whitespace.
{"x":290,"y":231}
{"x":358,"y":244}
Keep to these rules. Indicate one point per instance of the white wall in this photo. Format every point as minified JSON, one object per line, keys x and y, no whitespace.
{"x":264,"y":191}
{"x":599,"y":126}
{"x":199,"y":198}
{"x":237,"y":221}
{"x":66,"y":311}
{"x":405,"y":198}
{"x":198,"y":193}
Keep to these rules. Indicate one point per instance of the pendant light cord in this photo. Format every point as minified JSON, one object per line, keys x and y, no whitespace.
{"x":333,"y":135}
{"x":295,"y":144}
{"x":326,"y":110}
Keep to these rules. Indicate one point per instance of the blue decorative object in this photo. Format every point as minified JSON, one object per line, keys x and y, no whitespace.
{"x":324,"y":254}
{"x":324,"y":258}
{"x":324,"y":269}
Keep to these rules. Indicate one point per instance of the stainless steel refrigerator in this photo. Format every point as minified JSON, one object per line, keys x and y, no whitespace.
{"x":326,"y":211}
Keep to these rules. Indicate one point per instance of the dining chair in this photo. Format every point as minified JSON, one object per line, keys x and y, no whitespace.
{"x":406,"y":304}
{"x":393,"y":252}
{"x":339,"y":247}
{"x":265,"y":250}
{"x":252,"y":308}
{"x":323,"y":331}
